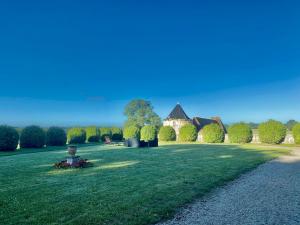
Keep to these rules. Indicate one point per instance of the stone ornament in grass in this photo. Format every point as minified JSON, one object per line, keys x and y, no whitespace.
{"x":73,"y":161}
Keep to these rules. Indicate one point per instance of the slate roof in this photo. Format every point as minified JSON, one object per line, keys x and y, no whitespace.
{"x":178,"y":113}
{"x":201,"y":122}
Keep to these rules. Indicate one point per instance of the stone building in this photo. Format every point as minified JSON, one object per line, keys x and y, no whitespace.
{"x":177,"y":118}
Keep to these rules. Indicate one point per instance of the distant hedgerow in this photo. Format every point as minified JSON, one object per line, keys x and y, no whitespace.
{"x":76,"y":135}
{"x":9,"y":138}
{"x":56,"y":136}
{"x":131,"y":132}
{"x":32,"y":137}
{"x":148,"y":133}
{"x":92,"y":134}
{"x":105,"y":132}
{"x":116,"y":134}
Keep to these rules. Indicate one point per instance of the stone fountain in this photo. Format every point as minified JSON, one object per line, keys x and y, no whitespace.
{"x":72,"y":159}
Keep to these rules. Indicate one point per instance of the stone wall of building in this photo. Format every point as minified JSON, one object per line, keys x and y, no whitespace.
{"x":176,"y":124}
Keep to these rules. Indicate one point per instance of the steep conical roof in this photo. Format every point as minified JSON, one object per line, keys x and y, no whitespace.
{"x":178,"y":113}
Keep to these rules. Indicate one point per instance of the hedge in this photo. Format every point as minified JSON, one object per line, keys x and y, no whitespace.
{"x":131,"y":132}
{"x":213,"y":133}
{"x":240,"y":133}
{"x":188,"y":133}
{"x":148,"y":133}
{"x":105,"y":132}
{"x":92,"y":134}
{"x":76,"y":135}
{"x":272,"y":132}
{"x":116,"y":134}
{"x":9,"y":138}
{"x":167,"y":133}
{"x":296,"y":133}
{"x":56,"y":136}
{"x":32,"y":137}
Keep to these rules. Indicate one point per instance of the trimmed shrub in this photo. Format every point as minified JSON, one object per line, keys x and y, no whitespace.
{"x":92,"y":134}
{"x":32,"y":137}
{"x":116,"y":134}
{"x":296,"y":133}
{"x":9,"y":138}
{"x":213,"y":133}
{"x":240,"y":133}
{"x":148,"y":133}
{"x":105,"y":132}
{"x":56,"y":136}
{"x":167,"y":133}
{"x":272,"y":132}
{"x":187,"y":133}
{"x":76,"y":135}
{"x":131,"y":132}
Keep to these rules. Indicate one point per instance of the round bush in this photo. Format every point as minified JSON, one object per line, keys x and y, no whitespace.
{"x":296,"y":133}
{"x":240,"y":133}
{"x":187,"y":133}
{"x":56,"y":136}
{"x":105,"y":132}
{"x":272,"y":132}
{"x":76,"y":135}
{"x":116,"y":134}
{"x":92,"y":134}
{"x":9,"y":138}
{"x":167,"y":133}
{"x":131,"y":132}
{"x":32,"y":137}
{"x":212,"y":133}
{"x":148,"y":133}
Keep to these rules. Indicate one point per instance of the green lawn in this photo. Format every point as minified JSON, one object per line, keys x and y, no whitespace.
{"x":125,"y":186}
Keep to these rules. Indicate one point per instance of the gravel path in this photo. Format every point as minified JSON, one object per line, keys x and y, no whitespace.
{"x":269,"y":194}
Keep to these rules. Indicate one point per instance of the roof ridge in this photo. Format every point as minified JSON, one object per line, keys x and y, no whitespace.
{"x":178,"y":113}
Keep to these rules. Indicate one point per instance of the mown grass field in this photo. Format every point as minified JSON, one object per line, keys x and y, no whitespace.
{"x":125,"y":186}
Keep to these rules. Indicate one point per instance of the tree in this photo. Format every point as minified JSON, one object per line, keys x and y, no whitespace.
{"x":139,"y":113}
{"x":290,"y":124}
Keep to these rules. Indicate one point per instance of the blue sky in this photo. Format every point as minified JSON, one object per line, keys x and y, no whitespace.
{"x":80,"y":62}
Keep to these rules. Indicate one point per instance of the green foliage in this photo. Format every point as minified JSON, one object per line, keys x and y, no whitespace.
{"x":296,"y":133}
{"x":56,"y":136}
{"x":116,"y":134}
{"x":32,"y":137}
{"x":131,"y":132}
{"x":148,"y":133}
{"x":9,"y":138}
{"x":76,"y":135}
{"x":188,"y":133}
{"x":212,"y":133}
{"x":167,"y":133}
{"x":272,"y":132}
{"x":139,"y":113}
{"x":105,"y":132}
{"x":240,"y":133}
{"x":92,"y":134}
{"x":290,"y":124}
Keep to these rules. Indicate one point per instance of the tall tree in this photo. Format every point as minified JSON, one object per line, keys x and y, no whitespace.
{"x":140,"y":112}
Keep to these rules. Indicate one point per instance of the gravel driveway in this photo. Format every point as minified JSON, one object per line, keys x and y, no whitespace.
{"x":269,"y":194}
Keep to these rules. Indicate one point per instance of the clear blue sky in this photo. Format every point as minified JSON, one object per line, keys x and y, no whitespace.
{"x":80,"y":62}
